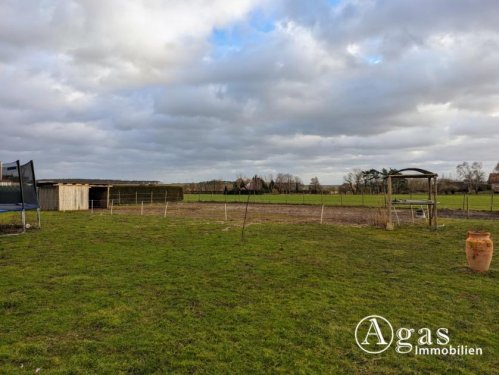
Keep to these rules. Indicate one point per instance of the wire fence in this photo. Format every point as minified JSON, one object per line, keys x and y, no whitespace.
{"x":293,"y":208}
{"x":464,"y":202}
{"x":237,"y":213}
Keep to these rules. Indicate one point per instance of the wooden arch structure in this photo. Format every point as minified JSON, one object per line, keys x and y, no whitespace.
{"x":431,"y":202}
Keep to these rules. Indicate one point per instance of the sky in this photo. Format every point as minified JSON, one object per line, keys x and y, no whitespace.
{"x":193,"y":90}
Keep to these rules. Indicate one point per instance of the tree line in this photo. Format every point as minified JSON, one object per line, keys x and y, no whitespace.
{"x":470,"y":178}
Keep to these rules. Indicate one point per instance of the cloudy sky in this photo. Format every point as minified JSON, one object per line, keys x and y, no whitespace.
{"x":189,"y":90}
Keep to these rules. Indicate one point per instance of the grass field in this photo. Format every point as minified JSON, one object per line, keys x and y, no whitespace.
{"x":141,"y":294}
{"x":481,"y":202}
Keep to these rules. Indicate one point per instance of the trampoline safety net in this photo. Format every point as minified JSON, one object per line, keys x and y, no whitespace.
{"x":17,"y":187}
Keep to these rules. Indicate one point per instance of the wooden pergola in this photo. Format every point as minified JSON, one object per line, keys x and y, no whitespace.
{"x":431,"y":202}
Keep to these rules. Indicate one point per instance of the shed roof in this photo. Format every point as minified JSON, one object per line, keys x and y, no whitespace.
{"x":93,"y":181}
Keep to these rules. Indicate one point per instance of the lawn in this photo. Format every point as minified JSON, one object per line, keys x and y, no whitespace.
{"x":102,"y":294}
{"x":480,"y":202}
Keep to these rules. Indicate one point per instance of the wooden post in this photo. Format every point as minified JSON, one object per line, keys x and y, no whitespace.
{"x":467,"y":206}
{"x":322,"y":213}
{"x":92,"y":206}
{"x":23,"y":219}
{"x":166,"y":209}
{"x":389,"y":224}
{"x":112,"y":204}
{"x":119,"y":197}
{"x":142,"y":208}
{"x":430,"y":211}
{"x":225,"y":211}
{"x":435,"y":208}
{"x":136,"y":198}
{"x":245,"y":216}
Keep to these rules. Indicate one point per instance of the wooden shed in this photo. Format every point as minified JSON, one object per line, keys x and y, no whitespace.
{"x":64,"y":197}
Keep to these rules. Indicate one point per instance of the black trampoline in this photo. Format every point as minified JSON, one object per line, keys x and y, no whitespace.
{"x":18,"y":190}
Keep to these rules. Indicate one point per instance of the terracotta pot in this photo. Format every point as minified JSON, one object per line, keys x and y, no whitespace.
{"x":479,"y":249}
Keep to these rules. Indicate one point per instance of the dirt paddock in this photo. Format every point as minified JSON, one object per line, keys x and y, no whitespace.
{"x":258,"y":213}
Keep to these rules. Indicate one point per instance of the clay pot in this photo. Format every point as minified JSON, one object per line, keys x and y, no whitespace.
{"x":479,"y":249}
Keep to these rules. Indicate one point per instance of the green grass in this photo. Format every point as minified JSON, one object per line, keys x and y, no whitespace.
{"x":480,"y":202}
{"x":131,"y":294}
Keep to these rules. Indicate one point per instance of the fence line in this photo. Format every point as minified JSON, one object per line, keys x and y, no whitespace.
{"x":465,"y":202}
{"x":471,"y":202}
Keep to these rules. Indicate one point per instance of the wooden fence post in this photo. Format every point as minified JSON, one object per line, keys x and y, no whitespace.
{"x":467,"y":206}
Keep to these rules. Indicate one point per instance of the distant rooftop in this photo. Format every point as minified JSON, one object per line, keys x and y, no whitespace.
{"x":93,"y":181}
{"x":494,"y":178}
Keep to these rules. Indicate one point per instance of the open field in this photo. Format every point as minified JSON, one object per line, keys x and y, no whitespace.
{"x":481,"y":202}
{"x":143,"y":294}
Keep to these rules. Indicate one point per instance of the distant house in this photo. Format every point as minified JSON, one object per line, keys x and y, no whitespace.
{"x":494,"y":182}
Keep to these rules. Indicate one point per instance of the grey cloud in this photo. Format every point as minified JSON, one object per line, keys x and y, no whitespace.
{"x":362,"y":84}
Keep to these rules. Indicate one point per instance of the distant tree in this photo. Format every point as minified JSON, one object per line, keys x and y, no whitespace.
{"x":354,"y":180}
{"x":280,"y":183}
{"x":399,"y":185}
{"x":287,"y":183}
{"x":315,"y":185}
{"x":271,"y":186}
{"x":372,"y":181}
{"x":257,"y":185}
{"x":471,"y":174}
{"x":344,"y":188}
{"x":496,"y":169}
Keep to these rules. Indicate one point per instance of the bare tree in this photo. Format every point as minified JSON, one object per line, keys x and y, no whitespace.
{"x":496,"y":169}
{"x":354,"y":180}
{"x":315,"y":186}
{"x":471,"y":174}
